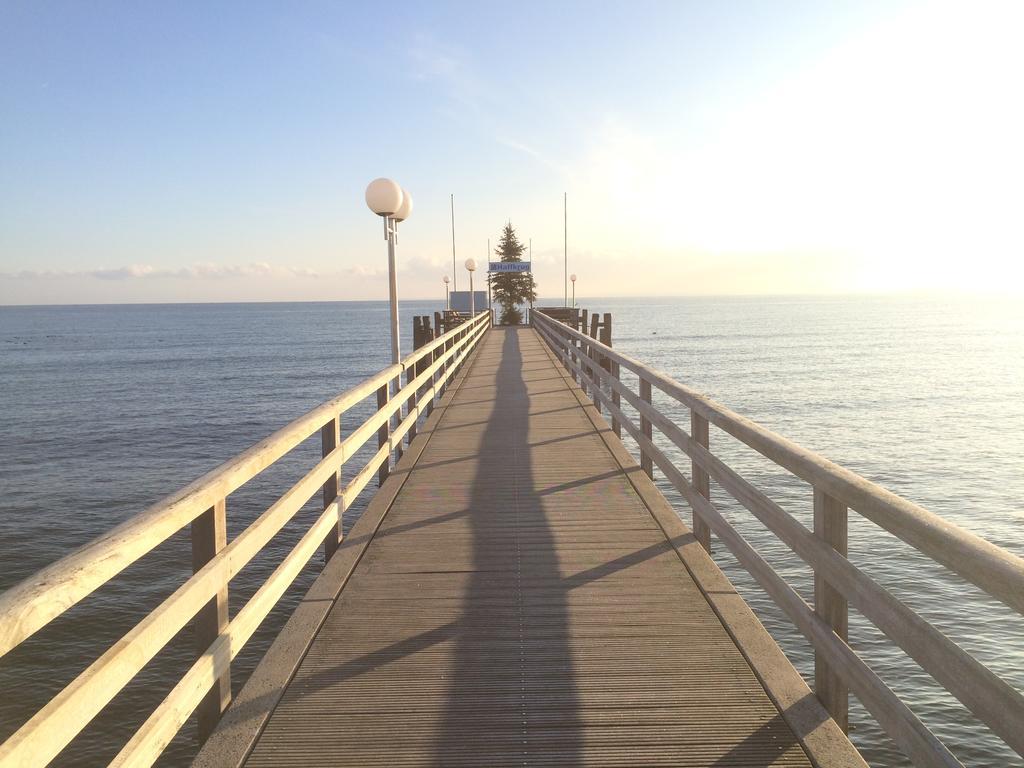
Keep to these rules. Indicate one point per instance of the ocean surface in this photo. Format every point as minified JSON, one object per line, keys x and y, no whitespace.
{"x":104,"y":410}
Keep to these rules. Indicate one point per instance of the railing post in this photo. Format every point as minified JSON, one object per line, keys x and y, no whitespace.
{"x":616,"y":426}
{"x":410,"y":375}
{"x":438,"y":377}
{"x":594,"y":358}
{"x":458,"y":339}
{"x":210,"y":536}
{"x":606,"y":330}
{"x":383,"y":434}
{"x":699,"y":431}
{"x":329,"y":439}
{"x":830,"y":525}
{"x":595,"y":376}
{"x":462,"y":338}
{"x":434,"y":378}
{"x":564,"y":341}
{"x":646,"y":462}
{"x":573,"y":344}
{"x":396,"y":419}
{"x":446,"y":366}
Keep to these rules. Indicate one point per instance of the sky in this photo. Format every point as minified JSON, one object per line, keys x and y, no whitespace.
{"x":219,"y":152}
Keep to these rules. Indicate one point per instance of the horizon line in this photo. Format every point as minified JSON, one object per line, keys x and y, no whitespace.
{"x":820,"y":295}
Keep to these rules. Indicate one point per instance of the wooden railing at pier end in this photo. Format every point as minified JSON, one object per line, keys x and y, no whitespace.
{"x":837,"y":582}
{"x":206,"y":686}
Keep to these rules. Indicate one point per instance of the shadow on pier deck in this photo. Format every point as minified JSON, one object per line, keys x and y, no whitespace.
{"x":519,"y":593}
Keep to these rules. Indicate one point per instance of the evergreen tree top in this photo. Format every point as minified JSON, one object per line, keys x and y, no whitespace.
{"x":509,"y":248}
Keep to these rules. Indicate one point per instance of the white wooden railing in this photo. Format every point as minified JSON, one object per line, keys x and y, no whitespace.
{"x":837,"y":582}
{"x":206,"y":686}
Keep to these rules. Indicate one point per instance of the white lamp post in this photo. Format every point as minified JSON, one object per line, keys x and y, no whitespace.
{"x":572,"y":279}
{"x":447,"y":301}
{"x":393,"y":204}
{"x":471,"y":266}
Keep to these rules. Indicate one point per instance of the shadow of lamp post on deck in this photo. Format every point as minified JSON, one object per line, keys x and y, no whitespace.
{"x":471,"y":266}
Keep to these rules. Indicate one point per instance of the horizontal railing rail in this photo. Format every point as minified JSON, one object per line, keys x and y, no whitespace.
{"x":838,"y":582}
{"x":205,"y":688}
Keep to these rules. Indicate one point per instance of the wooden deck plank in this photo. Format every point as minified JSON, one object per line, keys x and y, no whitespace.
{"x":519,"y":605}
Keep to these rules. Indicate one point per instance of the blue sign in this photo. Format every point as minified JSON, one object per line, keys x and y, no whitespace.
{"x":508,"y":266}
{"x":460,"y":301}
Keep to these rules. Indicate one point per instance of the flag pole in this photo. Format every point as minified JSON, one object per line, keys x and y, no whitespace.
{"x":565,"y":230}
{"x":455,"y":271}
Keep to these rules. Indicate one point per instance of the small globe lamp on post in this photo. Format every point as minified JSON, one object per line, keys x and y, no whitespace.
{"x":471,"y":266}
{"x":447,"y":301}
{"x":389,"y":201}
{"x":572,"y":279}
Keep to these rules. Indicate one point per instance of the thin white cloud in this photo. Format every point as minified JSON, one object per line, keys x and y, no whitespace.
{"x":198,"y":271}
{"x":432,"y":61}
{"x":536,"y":154}
{"x":415,"y":266}
{"x":459,"y":77}
{"x":520,"y":147}
{"x":360,"y":270}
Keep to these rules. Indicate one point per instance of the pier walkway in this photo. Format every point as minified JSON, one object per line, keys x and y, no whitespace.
{"x":519,"y":594}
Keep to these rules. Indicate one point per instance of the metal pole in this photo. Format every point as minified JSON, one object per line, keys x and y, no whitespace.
{"x":565,"y":230}
{"x":472,"y":297}
{"x":455,"y":271}
{"x":531,"y":274}
{"x":390,"y":231}
{"x":574,"y":294}
{"x":447,"y":299}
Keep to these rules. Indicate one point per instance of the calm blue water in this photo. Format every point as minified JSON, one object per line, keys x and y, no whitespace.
{"x":107,"y":409}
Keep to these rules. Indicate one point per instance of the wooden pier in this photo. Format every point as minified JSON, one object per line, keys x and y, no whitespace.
{"x":518,"y":591}
{"x":517,"y":603}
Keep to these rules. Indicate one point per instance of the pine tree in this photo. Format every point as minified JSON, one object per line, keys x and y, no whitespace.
{"x":510,"y":289}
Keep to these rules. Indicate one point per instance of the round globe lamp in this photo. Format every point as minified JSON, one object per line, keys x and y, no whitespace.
{"x":405,"y":209}
{"x":384,"y":197}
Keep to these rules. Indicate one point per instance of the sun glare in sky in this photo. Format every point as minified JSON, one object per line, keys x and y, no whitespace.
{"x":704,"y":149}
